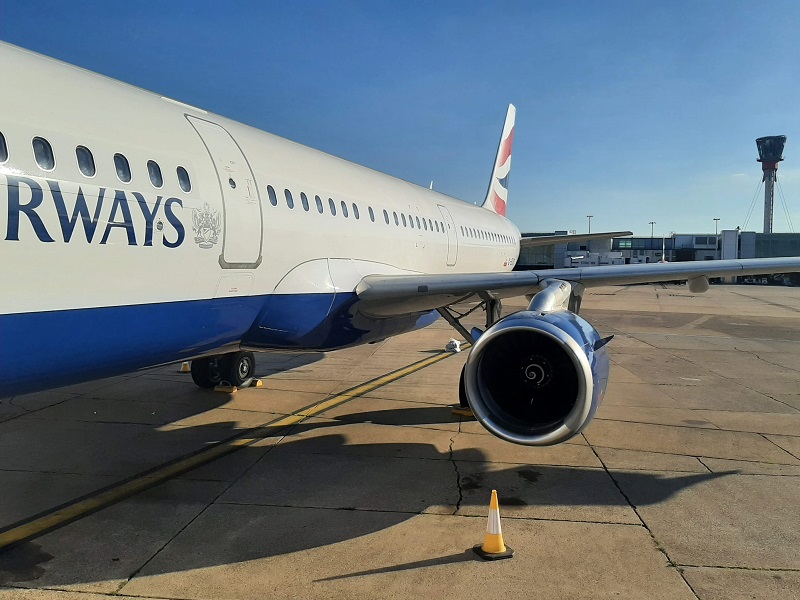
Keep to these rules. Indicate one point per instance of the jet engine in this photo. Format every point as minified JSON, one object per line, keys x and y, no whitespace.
{"x":536,"y":377}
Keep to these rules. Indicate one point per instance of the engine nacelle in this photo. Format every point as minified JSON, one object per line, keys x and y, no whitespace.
{"x":537,"y":378}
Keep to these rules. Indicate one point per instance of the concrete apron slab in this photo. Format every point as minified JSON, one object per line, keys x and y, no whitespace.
{"x":100,"y":552}
{"x":742,"y":584}
{"x":748,"y":521}
{"x":692,"y":441}
{"x":261,"y":538}
{"x":9,"y":593}
{"x":311,"y":553}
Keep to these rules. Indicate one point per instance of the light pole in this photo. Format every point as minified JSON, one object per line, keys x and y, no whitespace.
{"x":716,"y":225}
{"x":652,"y":227}
{"x":590,"y":222}
{"x":716,"y":237}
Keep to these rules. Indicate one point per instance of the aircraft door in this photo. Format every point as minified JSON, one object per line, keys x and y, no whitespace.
{"x":452,"y":238}
{"x":242,"y":218}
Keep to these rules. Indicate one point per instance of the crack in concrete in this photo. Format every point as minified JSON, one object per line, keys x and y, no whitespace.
{"x":455,"y":468}
{"x":696,"y":427}
{"x":704,"y":464}
{"x":779,"y":446}
{"x":736,"y":568}
{"x":28,"y":411}
{"x":635,"y":510}
{"x":699,"y":456}
{"x":199,"y":513}
{"x":762,"y":359}
{"x":714,"y":373}
{"x":87,"y":593}
{"x":769,"y":302}
{"x":11,"y":403}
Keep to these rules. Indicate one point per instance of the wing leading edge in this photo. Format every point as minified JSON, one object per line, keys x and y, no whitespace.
{"x":403,"y":294}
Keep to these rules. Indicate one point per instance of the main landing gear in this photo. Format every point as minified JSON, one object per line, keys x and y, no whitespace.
{"x":493,"y":309}
{"x":235,"y":369}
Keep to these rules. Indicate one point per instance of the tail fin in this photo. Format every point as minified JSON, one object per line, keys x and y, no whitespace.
{"x":497,"y":196}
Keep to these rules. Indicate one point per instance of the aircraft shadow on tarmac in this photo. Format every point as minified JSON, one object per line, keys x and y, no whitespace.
{"x":315,"y":489}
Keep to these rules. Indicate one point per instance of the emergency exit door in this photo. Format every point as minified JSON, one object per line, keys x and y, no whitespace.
{"x":242,"y":219}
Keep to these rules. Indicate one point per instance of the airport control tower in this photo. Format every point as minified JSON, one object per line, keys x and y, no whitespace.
{"x":770,"y":153}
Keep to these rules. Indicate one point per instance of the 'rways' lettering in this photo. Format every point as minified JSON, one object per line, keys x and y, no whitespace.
{"x":14,"y":208}
{"x":80,"y":210}
{"x":175,"y":222}
{"x":120,"y":216}
{"x":148,"y":216}
{"x":120,"y":202}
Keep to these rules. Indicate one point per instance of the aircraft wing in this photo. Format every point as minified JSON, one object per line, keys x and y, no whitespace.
{"x":547,"y":240}
{"x":387,"y":295}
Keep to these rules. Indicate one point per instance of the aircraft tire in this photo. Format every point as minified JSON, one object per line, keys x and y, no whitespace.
{"x":207,"y":372}
{"x":462,"y":390}
{"x":238,"y":368}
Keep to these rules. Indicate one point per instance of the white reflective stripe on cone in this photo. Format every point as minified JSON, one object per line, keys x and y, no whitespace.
{"x":493,"y":526}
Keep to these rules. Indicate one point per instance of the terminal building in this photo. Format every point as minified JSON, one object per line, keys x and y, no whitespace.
{"x":678,"y":247}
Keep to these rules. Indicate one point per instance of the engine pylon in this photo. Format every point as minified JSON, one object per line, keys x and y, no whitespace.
{"x":493,"y":547}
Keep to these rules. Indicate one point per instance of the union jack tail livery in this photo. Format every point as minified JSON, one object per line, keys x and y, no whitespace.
{"x":497,"y":196}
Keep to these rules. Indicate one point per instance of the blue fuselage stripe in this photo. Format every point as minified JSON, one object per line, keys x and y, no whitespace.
{"x":48,"y":349}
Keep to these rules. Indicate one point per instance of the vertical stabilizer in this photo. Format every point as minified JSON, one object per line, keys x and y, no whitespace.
{"x":497,"y":196}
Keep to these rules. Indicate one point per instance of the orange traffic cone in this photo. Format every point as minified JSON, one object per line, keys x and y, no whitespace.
{"x":185,"y":368}
{"x":493,"y":547}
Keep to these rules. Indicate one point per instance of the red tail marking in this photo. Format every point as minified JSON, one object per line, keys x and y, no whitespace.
{"x":499,"y":204}
{"x":505,"y":149}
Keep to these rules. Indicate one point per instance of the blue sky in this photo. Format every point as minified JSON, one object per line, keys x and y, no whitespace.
{"x":630,"y":111}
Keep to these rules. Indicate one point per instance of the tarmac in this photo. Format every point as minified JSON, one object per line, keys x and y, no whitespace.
{"x":344,"y":476}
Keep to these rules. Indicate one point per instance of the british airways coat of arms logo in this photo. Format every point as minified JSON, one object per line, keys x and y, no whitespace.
{"x":206,"y":224}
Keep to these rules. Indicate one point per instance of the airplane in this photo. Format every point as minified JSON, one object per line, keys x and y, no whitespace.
{"x":139,"y":231}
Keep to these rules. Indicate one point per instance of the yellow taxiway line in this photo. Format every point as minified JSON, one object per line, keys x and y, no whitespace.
{"x":81,"y":507}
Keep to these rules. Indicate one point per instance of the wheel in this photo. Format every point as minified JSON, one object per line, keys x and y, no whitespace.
{"x":206,"y":371}
{"x":238,"y":368}
{"x":462,"y":390}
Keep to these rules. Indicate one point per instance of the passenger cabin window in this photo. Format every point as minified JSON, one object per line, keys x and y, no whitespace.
{"x":304,"y":201}
{"x":123,"y":168}
{"x":404,"y":220}
{"x":319,"y":204}
{"x":371,"y":214}
{"x":184,"y":182}
{"x":43,"y":153}
{"x":344,"y":209}
{"x":273,"y":198}
{"x":355,"y":210}
{"x":155,"y":174}
{"x":385,"y":216}
{"x":85,"y":161}
{"x":396,"y":222}
{"x":332,"y":206}
{"x":3,"y":149}
{"x":289,"y":199}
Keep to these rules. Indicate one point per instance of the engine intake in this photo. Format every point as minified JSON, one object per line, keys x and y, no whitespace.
{"x":537,"y":378}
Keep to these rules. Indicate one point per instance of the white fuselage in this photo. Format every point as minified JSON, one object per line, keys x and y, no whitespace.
{"x":72,"y":243}
{"x":71,"y":107}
